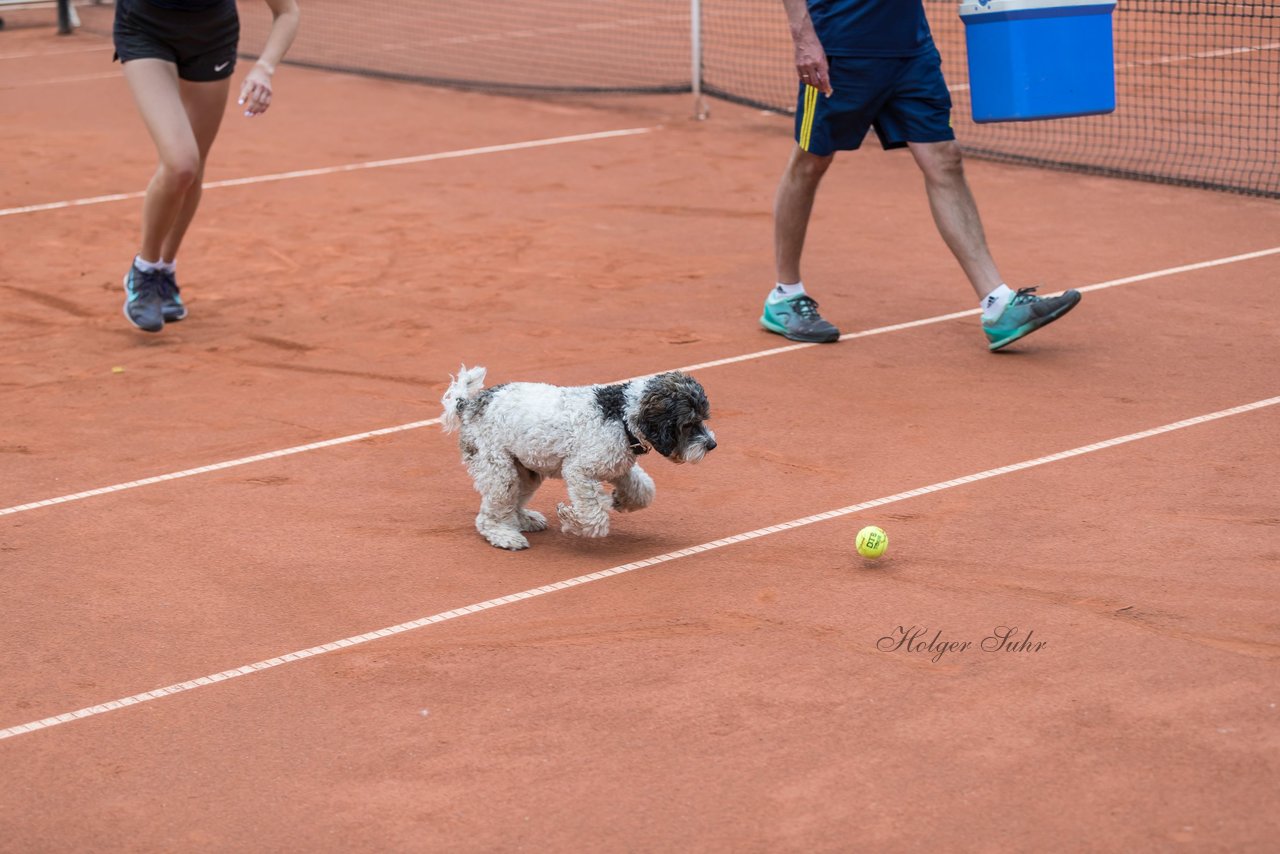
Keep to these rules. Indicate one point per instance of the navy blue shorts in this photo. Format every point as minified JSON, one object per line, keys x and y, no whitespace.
{"x":904,"y":98}
{"x":202,"y":42}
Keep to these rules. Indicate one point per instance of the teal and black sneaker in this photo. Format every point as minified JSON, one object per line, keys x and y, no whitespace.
{"x":144,"y":304}
{"x":1024,"y":314}
{"x":172,"y":306}
{"x":797,"y":318}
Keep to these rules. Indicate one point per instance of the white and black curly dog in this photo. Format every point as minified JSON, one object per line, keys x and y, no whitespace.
{"x":514,"y":436}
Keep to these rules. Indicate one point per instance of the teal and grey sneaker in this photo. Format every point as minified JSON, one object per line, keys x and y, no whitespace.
{"x":143,"y":305}
{"x":172,"y":306}
{"x":797,"y":318}
{"x":1024,"y":314}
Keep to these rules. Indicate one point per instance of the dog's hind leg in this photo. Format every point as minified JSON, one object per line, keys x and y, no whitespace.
{"x":498,"y":483}
{"x":529,"y":520}
{"x":633,"y":491}
{"x":589,"y":514}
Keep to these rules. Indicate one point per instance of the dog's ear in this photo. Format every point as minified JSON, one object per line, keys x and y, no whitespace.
{"x":659,"y":429}
{"x":668,"y":402}
{"x":695,"y":398}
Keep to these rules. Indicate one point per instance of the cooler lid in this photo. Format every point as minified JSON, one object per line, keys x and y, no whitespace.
{"x":985,"y":7}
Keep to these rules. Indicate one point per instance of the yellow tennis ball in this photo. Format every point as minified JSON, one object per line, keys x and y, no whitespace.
{"x":872,"y":541}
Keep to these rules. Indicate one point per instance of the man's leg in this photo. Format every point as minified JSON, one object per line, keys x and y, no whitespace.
{"x":788,"y":310}
{"x":956,"y":213}
{"x":792,"y":207}
{"x":1006,"y":315}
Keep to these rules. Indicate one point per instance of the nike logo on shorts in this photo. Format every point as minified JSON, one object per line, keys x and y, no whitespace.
{"x":222,"y":66}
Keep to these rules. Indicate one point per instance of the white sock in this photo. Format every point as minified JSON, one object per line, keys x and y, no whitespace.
{"x":146,"y":266}
{"x":168,"y":266}
{"x":994,"y":302}
{"x":785,"y":291}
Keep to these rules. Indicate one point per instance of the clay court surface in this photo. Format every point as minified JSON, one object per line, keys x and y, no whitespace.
{"x":734,"y":698}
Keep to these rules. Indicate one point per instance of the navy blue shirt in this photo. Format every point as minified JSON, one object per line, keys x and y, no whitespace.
{"x":871,"y":27}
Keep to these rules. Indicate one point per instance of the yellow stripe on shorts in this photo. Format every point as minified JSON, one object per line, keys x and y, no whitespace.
{"x":810,"y":107}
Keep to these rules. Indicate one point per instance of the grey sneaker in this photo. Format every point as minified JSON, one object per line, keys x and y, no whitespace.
{"x":172,"y":307}
{"x":1026,"y":313}
{"x":145,"y":298}
{"x":797,"y":318}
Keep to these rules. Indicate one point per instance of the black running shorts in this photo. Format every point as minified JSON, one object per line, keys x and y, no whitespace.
{"x":201,"y":42}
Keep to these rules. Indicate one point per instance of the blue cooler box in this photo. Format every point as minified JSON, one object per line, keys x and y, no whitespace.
{"x":1039,"y":59}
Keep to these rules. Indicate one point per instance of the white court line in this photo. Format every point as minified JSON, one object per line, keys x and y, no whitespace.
{"x":80,"y":78}
{"x":1204,"y":54}
{"x":346,"y":167}
{"x":759,"y":354}
{"x":941,"y":318}
{"x":256,"y":458}
{"x":104,"y":47}
{"x":311,"y":652}
{"x":506,"y":35}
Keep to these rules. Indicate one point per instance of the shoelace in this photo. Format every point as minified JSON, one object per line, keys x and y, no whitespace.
{"x":168,"y":285}
{"x":149,"y":283}
{"x":806,"y":307}
{"x":1025,"y":295}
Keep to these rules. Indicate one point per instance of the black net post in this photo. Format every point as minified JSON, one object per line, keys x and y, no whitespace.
{"x":64,"y":18}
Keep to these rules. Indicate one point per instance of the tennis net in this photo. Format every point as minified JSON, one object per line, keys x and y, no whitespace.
{"x":1197,"y":91}
{"x":1198,"y":81}
{"x":512,"y":46}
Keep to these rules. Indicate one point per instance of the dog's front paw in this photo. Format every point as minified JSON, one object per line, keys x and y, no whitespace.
{"x":633,"y":492}
{"x":532,"y":520}
{"x":569,"y":522}
{"x":599,"y":528}
{"x":629,"y":502}
{"x":507,"y":539}
{"x":572,"y":523}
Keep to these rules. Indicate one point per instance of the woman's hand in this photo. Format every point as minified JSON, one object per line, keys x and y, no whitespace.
{"x":255,"y":94}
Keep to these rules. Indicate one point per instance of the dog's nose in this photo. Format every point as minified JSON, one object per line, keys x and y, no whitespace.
{"x":711,"y":444}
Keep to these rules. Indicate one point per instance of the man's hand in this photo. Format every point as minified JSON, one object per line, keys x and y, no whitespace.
{"x":811,"y":59}
{"x":811,"y":64}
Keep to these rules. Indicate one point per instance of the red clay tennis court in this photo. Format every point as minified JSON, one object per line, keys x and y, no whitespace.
{"x":245,"y":607}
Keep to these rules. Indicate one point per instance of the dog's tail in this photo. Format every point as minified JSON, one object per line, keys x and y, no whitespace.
{"x":462,"y":388}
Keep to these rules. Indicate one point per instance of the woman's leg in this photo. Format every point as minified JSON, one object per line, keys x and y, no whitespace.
{"x":204,"y":104}
{"x":155,"y":87}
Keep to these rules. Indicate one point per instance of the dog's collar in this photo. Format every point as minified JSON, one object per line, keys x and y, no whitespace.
{"x":633,"y":444}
